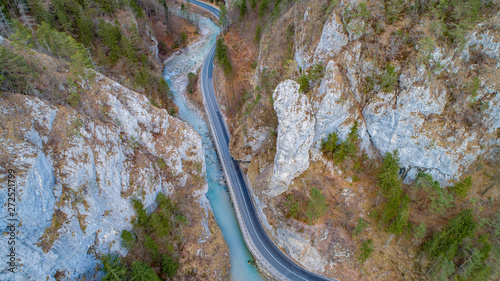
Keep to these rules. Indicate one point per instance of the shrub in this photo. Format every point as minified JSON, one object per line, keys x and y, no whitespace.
{"x":360,"y":227}
{"x":169,"y":266}
{"x":329,"y":8}
{"x":192,"y":79}
{"x":73,"y":99}
{"x":365,"y":251}
{"x":142,"y":272}
{"x":128,"y":239}
{"x":222,"y":56}
{"x":440,"y":198}
{"x":316,"y":207}
{"x":303,"y":83}
{"x":462,"y":187}
{"x":113,"y":268}
{"x":395,"y":211}
{"x":292,"y":206}
{"x":181,"y":219}
{"x":446,"y":241}
{"x":316,"y":73}
{"x":393,"y":9}
{"x":389,"y":80}
{"x":426,"y":47}
{"x":184,"y":38}
{"x":160,"y":163}
{"x":15,"y":73}
{"x":452,"y":19}
{"x":258,"y":32}
{"x":363,"y":11}
{"x":342,"y":150}
{"x":420,"y":231}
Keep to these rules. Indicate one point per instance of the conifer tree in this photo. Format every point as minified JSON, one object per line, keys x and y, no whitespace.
{"x":142,"y":272}
{"x":113,"y":268}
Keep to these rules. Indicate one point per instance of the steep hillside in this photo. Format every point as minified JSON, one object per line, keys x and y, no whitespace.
{"x":106,"y":180}
{"x":389,"y":108}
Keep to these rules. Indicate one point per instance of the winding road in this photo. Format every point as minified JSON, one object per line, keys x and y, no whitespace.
{"x":272,"y":259}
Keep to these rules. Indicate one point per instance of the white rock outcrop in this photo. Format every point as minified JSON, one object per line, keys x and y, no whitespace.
{"x":301,"y":250}
{"x":332,"y":39}
{"x":295,"y":135}
{"x":417,"y":120}
{"x":76,"y":175}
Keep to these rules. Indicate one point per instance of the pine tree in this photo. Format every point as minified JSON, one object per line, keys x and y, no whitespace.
{"x":142,"y":218}
{"x":169,"y":266}
{"x":113,"y":268}
{"x":243,"y":8}
{"x":85,"y":30}
{"x":365,"y":251}
{"x":396,"y":211}
{"x":15,"y":73}
{"x":258,"y":31}
{"x":128,"y":239}
{"x":223,"y":19}
{"x":316,"y":207}
{"x":440,"y":198}
{"x":111,"y":37}
{"x":152,"y":247}
{"x":142,"y":272}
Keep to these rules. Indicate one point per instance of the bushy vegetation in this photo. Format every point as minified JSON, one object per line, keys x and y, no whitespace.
{"x":81,"y":33}
{"x":337,"y":150}
{"x":311,"y":79}
{"x":223,"y":19}
{"x":461,"y":250}
{"x":292,"y":206}
{"x":153,"y":244}
{"x":258,"y":32}
{"x":15,"y":74}
{"x":365,"y":251}
{"x":360,"y":227}
{"x":395,"y":212}
{"x":316,"y":207}
{"x":389,"y":79}
{"x":192,"y":80}
{"x":462,"y":187}
{"x":113,"y":268}
{"x":440,"y":199}
{"x":222,"y":56}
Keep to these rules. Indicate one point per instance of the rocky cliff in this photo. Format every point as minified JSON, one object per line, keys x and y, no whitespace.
{"x":432,"y":99}
{"x":77,"y":171}
{"x":295,"y":135}
{"x":422,"y":119}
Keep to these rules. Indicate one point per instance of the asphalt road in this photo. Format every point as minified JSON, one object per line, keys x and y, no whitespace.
{"x":259,"y":243}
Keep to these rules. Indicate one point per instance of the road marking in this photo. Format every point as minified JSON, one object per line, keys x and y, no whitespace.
{"x":233,"y":172}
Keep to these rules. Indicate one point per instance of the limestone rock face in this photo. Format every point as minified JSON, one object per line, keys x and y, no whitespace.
{"x":295,"y":135}
{"x":332,"y":39}
{"x":441,"y":114}
{"x":421,"y":119}
{"x":76,"y":173}
{"x":301,"y":250}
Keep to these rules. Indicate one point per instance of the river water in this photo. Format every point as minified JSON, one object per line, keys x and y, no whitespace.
{"x":176,"y":69}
